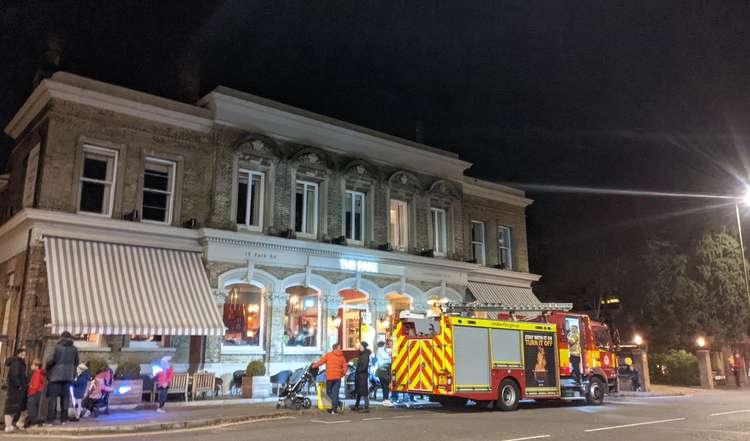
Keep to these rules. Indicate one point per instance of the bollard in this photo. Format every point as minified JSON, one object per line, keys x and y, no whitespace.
{"x":704,"y":368}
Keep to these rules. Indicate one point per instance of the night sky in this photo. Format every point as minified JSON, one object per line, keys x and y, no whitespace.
{"x":641,"y":95}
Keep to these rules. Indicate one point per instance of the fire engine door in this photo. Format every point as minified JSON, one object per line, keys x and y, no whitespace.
{"x":420,"y":365}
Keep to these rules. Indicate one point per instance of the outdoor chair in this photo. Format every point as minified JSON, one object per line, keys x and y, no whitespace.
{"x":280,"y":379}
{"x":203,"y":382}
{"x":179,"y":386}
{"x":236,"y":384}
{"x":148,"y":386}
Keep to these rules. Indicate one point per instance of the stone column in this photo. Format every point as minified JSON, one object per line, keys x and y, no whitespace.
{"x":378,"y":309}
{"x":213,"y":342}
{"x":330,"y":305}
{"x":276,"y":302}
{"x":704,"y":367}
{"x":640,"y":359}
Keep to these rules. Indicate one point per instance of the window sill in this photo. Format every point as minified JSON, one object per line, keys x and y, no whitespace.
{"x":92,"y":214}
{"x":292,"y":350}
{"x":87,"y":348}
{"x":355,"y":243}
{"x":249,"y":229}
{"x":242,"y":350}
{"x":148,"y":349}
{"x":153,"y":222}
{"x":308,"y":236}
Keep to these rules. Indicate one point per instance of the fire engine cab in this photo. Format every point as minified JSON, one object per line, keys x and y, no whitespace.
{"x":457,"y":356}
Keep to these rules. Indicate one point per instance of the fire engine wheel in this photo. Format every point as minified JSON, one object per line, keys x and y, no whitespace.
{"x":509,"y":395}
{"x":595,"y":391}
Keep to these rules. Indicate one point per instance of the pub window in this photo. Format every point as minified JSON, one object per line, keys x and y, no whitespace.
{"x":354,"y":218}
{"x":242,"y":316}
{"x":138,"y":341}
{"x":158,"y":190}
{"x":504,"y":248}
{"x":306,"y":208}
{"x":399,"y":225}
{"x":250,"y":191}
{"x":477,"y":242}
{"x":97,"y":180}
{"x":301,"y":318}
{"x":439,"y":232}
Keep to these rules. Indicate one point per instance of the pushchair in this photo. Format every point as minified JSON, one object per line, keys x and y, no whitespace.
{"x":290,"y":396}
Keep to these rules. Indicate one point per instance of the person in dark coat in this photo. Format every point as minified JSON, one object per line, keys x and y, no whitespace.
{"x":61,"y":371}
{"x":362,"y":378}
{"x":15,"y":402}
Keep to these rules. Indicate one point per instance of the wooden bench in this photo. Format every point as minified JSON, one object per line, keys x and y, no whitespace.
{"x":203,"y":382}
{"x":179,"y":386}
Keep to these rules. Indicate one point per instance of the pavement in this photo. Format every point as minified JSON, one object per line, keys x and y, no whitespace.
{"x":695,"y":415}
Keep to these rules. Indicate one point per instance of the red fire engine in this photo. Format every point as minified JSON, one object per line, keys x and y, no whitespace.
{"x":456,"y":356}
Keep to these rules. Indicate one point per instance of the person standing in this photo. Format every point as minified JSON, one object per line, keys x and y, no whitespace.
{"x":362,"y":378}
{"x":335,"y":369}
{"x":383,"y":371}
{"x":36,"y":387}
{"x":574,"y":347}
{"x":163,"y":380}
{"x":15,"y":402}
{"x":79,"y":387}
{"x":737,"y":367}
{"x":61,"y":371}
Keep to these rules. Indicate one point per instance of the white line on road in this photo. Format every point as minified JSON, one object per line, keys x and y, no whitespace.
{"x":730,"y":412}
{"x":528,"y":437}
{"x":403,"y":416}
{"x":331,"y":422}
{"x":372,"y":419}
{"x":646,"y":423}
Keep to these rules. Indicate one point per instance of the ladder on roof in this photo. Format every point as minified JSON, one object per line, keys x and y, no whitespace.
{"x":454,"y":307}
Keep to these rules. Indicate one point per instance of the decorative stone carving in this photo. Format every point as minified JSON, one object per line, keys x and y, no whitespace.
{"x":310,"y":158}
{"x":444,"y":188}
{"x":361,"y":170}
{"x":403,"y":178}
{"x":259,"y":146}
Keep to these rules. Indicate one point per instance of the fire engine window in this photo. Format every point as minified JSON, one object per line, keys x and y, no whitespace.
{"x":603,"y":339}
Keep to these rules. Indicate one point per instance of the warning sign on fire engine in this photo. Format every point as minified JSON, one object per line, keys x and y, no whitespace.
{"x":540,"y":363}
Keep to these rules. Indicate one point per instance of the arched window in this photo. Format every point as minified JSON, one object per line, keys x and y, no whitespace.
{"x":302,"y":317}
{"x":243,"y":313}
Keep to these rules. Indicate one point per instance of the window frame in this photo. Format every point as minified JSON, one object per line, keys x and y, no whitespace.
{"x":286,"y":349}
{"x":250,"y":173}
{"x":354,"y":194}
{"x":305,"y":185}
{"x":483,"y":259}
{"x":434,"y":211}
{"x":508,"y":247}
{"x":114,"y":154}
{"x":405,"y":226}
{"x":171,"y":193}
{"x":248,"y":349}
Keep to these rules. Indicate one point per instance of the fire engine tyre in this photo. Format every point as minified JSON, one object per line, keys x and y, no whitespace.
{"x":595,"y":391}
{"x":509,"y":395}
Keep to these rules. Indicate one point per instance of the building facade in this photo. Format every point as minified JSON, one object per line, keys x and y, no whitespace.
{"x":234,"y":229}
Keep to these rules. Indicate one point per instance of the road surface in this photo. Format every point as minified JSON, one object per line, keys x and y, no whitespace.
{"x":705,"y":416}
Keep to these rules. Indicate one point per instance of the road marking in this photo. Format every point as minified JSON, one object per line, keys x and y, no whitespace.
{"x":730,"y":412}
{"x":403,"y":416}
{"x":331,"y":422}
{"x":372,"y":419}
{"x":150,"y":433}
{"x":528,"y":437}
{"x":646,"y":423}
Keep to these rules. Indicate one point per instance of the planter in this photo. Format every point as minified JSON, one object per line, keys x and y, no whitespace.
{"x":126,"y":391}
{"x":256,"y":387}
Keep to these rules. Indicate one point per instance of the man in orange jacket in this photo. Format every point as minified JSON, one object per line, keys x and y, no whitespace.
{"x":335,"y":370}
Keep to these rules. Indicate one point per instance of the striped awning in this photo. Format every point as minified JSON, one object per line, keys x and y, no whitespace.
{"x":112,"y":289}
{"x":506,"y":295}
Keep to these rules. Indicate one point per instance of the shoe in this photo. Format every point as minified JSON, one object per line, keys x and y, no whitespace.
{"x":160,"y":410}
{"x":9,"y":429}
{"x":387,"y":403}
{"x":86,"y":413}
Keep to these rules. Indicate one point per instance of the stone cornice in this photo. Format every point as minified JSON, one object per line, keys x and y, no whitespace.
{"x":105,"y":96}
{"x":495,"y":192}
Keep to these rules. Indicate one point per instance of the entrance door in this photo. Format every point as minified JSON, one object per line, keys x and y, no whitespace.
{"x":421,"y":365}
{"x":196,"y":353}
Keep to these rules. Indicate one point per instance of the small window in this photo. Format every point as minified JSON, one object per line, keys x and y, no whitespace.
{"x":504,"y":248}
{"x":242,"y":316}
{"x":355,"y":216}
{"x":250,"y":191}
{"x":439,"y":232}
{"x":96,"y":187}
{"x":158,"y":190}
{"x":306,"y":208}
{"x":301,"y":317}
{"x":138,"y":341}
{"x":477,"y":242}
{"x":399,"y":233}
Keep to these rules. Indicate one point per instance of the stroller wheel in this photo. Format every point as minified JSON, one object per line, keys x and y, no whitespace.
{"x":278,"y":405}
{"x":306,"y":403}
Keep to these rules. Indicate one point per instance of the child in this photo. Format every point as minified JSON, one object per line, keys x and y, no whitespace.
{"x":163,"y":380}
{"x":36,"y":388}
{"x":94,"y":393}
{"x":79,"y":388}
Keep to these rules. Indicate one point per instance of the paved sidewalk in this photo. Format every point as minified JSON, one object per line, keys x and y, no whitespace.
{"x":132,"y":421}
{"x":660,"y":390}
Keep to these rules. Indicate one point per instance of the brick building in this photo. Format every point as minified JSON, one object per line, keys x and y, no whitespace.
{"x":234,"y":229}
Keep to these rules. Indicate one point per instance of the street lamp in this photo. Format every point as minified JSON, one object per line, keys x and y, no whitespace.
{"x":746,"y":202}
{"x":638,"y":340}
{"x":701,"y":342}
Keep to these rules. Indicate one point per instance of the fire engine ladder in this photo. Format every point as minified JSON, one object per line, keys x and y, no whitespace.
{"x":455,"y":307}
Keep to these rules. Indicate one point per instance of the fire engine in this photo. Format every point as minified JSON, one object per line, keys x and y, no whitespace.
{"x":456,"y":356}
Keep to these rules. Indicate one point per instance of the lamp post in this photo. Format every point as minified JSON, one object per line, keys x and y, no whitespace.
{"x":745,"y":201}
